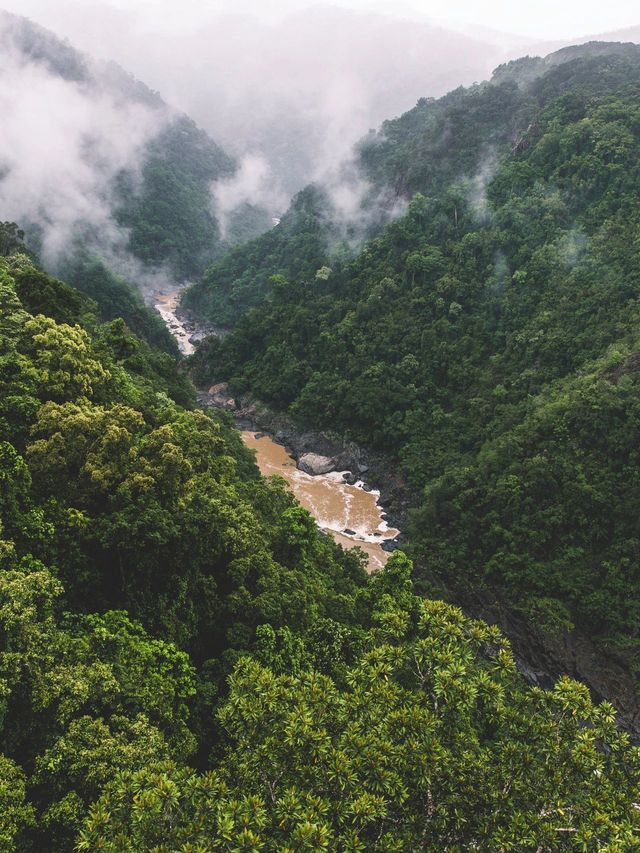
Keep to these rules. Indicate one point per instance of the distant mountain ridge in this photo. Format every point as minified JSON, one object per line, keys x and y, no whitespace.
{"x":162,"y":197}
{"x":40,"y":45}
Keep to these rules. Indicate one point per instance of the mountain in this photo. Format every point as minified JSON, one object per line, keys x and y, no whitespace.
{"x":486,"y":342}
{"x":103,"y":175}
{"x":332,"y":74}
{"x":426,"y":149}
{"x":156,"y":185}
{"x":187,"y":661}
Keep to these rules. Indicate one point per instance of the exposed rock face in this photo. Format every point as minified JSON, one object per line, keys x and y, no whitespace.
{"x":220,"y":388}
{"x":313,"y":463}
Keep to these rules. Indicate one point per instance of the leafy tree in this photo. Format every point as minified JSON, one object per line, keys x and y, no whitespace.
{"x":429,"y":741}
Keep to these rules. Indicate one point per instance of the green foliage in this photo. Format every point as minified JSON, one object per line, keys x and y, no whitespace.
{"x":42,"y":294}
{"x":296,"y":247}
{"x":429,"y":741}
{"x":11,"y":239}
{"x":186,"y":661}
{"x":15,"y":814}
{"x":169,"y":214}
{"x":486,"y":341}
{"x":117,"y":299}
{"x":155,"y":517}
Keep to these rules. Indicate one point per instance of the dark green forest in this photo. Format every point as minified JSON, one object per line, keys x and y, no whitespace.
{"x":187,"y":663}
{"x":487,"y":340}
{"x":168,"y":214}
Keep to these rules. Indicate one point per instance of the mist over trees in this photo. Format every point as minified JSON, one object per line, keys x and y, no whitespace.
{"x":187,"y":661}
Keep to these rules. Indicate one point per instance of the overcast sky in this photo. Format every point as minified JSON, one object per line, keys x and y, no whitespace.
{"x":545,"y":19}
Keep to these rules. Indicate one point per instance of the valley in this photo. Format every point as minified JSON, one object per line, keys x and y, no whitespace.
{"x":348,"y":511}
{"x":319,"y":536}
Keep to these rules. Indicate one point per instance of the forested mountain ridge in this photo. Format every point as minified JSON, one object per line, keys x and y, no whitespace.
{"x":441,"y":143}
{"x":185,"y":660}
{"x":119,"y":199}
{"x":297,"y":247}
{"x":487,"y":340}
{"x":165,"y":203}
{"x":445,"y":140}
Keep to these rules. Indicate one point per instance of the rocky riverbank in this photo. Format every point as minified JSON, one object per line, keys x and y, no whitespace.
{"x":318,"y":453}
{"x":542,"y":658}
{"x":197,"y":329}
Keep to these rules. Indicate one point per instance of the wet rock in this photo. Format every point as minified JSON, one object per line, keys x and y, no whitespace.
{"x":350,"y":478}
{"x":313,"y":463}
{"x":390,"y":545}
{"x":366,"y":487}
{"x":230,"y":404}
{"x":249,"y":412}
{"x":260,"y":435}
{"x":348,"y":532}
{"x":362,"y":469}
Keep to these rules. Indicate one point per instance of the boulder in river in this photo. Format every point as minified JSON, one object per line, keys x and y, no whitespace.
{"x":219,"y":388}
{"x":313,"y":463}
{"x":348,"y":532}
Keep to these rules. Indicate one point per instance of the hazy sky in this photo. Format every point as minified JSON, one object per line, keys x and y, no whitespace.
{"x":548,"y":19}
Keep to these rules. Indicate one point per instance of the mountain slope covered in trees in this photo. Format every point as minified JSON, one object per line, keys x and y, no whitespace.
{"x":163,"y":200}
{"x":129,"y":190}
{"x":487,"y":340}
{"x":186,"y":661}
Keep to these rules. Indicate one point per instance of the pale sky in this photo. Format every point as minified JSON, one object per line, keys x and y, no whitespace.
{"x":535,"y":19}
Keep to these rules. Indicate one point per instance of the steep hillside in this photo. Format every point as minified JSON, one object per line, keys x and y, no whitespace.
{"x":487,"y":340}
{"x":122,"y":173}
{"x":185,"y":660}
{"x":295,"y":248}
{"x":441,"y":144}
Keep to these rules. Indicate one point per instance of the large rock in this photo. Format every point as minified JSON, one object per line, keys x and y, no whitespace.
{"x":220,"y":388}
{"x":313,"y":463}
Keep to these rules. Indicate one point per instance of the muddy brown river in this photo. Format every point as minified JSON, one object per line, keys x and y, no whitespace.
{"x":335,"y":505}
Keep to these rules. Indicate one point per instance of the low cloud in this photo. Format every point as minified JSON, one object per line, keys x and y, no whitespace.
{"x":253,"y":183}
{"x":62,"y":144}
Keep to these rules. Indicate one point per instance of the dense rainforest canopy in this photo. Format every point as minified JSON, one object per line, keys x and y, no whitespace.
{"x":187,"y":663}
{"x":487,"y":340}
